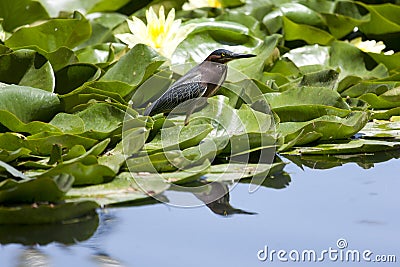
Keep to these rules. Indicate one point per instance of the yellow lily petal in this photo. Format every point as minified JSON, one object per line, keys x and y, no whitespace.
{"x":161,"y":32}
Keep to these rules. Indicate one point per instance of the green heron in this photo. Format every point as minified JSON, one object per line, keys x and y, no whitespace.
{"x":202,"y":81}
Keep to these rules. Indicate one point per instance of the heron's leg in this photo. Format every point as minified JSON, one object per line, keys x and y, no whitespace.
{"x":196,"y":104}
{"x":188,"y":113}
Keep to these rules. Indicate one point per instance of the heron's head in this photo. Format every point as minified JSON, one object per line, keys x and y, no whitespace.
{"x":223,"y":56}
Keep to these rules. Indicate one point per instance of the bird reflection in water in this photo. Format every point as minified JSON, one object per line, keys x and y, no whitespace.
{"x":217,"y":199}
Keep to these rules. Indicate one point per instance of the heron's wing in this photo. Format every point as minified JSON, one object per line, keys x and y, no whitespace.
{"x":187,"y":87}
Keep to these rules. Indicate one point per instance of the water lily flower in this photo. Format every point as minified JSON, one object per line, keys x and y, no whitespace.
{"x":370,"y":46}
{"x":162,"y":33}
{"x":193,"y":4}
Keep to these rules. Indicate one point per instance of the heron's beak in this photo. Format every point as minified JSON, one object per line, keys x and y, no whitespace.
{"x":237,"y":56}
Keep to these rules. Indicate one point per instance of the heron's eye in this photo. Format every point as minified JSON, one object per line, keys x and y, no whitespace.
{"x":223,"y":55}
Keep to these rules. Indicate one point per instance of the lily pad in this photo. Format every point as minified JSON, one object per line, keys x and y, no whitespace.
{"x":46,"y":213}
{"x":27,"y":67}
{"x":86,"y":172}
{"x":12,"y":123}
{"x":383,"y":20}
{"x":178,"y":137}
{"x":379,"y":102}
{"x":307,"y":103}
{"x":344,"y":18}
{"x":12,"y":171}
{"x":348,"y":147}
{"x":28,"y":11}
{"x":351,"y":62}
{"x":122,"y":189}
{"x":36,"y":190}
{"x":8,"y":156}
{"x":42,"y":144}
{"x":52,"y":34}
{"x":28,"y":103}
{"x":146,"y":62}
{"x":310,"y":34}
{"x":237,"y":171}
{"x":327,"y":127}
{"x":381,"y":130}
{"x":73,"y":76}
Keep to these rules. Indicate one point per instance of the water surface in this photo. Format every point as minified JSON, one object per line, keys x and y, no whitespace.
{"x":315,"y":210}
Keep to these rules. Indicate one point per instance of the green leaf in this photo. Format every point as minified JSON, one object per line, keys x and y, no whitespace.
{"x":344,"y":18}
{"x":100,"y":54}
{"x":59,"y":58}
{"x":114,"y":158}
{"x":384,"y":19}
{"x":96,"y":150}
{"x":134,"y":67}
{"x":102,"y":25}
{"x":379,"y":102}
{"x":237,"y":171}
{"x":98,"y":121}
{"x":121,"y":88}
{"x":307,"y":103}
{"x":324,"y":78}
{"x":8,"y":156}
{"x":86,"y":95}
{"x":232,"y":3}
{"x":73,"y":76}
{"x":84,"y":167}
{"x":68,"y":123}
{"x":296,"y":12}
{"x":36,"y":190}
{"x":327,"y":127}
{"x":348,"y":147}
{"x":22,"y":12}
{"x":381,"y":129}
{"x":42,"y":144}
{"x":376,"y":87}
{"x":390,"y":61}
{"x":27,"y":103}
{"x":11,"y":122}
{"x":123,"y":188}
{"x":27,"y":67}
{"x":250,"y":22}
{"x":107,"y":5}
{"x":85,"y":174}
{"x":158,"y":162}
{"x":213,"y":35}
{"x":177,"y":177}
{"x":52,"y":34}
{"x":178,"y":137}
{"x":309,"y":55}
{"x":45,"y":213}
{"x":11,"y":170}
{"x":312,"y":35}
{"x":101,"y":120}
{"x":350,"y":60}
{"x":385,"y":114}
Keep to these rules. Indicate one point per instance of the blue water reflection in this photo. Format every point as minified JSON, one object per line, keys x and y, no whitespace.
{"x":312,"y":213}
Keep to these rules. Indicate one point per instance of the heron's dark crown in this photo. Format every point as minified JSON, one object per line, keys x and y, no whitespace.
{"x":224,"y":56}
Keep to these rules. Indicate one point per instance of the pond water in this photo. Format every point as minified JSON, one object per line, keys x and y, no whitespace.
{"x":342,"y":209}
